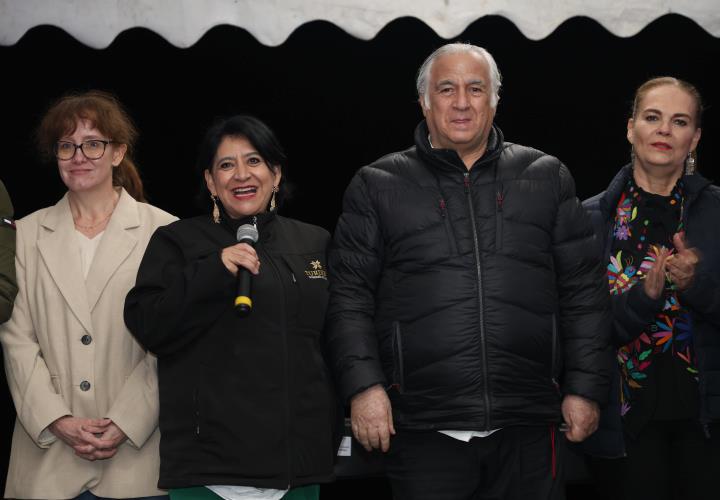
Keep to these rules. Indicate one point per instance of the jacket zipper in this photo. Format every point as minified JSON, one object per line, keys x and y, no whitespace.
{"x":553,"y":359}
{"x":448,"y":228}
{"x":196,"y":400}
{"x":481,"y":305}
{"x":398,"y":368}
{"x":500,"y":198}
{"x":286,"y":361}
{"x":292,"y":274}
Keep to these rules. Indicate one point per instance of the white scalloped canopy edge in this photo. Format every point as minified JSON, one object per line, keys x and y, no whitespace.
{"x":96,"y":23}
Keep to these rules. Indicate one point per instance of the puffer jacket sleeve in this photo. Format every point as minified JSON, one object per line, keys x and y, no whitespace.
{"x":355,"y":260}
{"x":585,"y":318}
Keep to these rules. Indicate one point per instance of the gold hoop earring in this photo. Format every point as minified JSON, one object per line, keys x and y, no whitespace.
{"x":215,"y":210}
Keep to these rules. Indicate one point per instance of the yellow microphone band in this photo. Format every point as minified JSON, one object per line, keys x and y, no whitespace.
{"x":241,"y":299}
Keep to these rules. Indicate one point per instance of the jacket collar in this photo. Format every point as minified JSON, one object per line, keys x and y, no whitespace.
{"x":694,"y":184}
{"x":261,"y":221}
{"x":57,"y":246}
{"x":448,"y":159}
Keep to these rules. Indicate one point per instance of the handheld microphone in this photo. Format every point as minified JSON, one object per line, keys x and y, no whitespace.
{"x":247,"y":233}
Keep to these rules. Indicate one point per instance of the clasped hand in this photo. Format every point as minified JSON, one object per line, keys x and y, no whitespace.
{"x":91,"y":438}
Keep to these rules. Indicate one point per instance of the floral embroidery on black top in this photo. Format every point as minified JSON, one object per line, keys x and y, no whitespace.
{"x":644,"y":223}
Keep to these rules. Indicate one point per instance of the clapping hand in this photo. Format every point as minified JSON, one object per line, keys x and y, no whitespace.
{"x":680,"y":266}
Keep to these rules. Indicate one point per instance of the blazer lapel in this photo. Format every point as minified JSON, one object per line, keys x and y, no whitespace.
{"x":60,"y":251}
{"x":116,"y":245}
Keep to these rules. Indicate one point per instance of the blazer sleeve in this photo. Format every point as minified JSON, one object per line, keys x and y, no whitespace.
{"x":137,"y":408}
{"x":37,"y":402}
{"x":355,"y":260}
{"x":584,"y":308}
{"x":175,"y":299}
{"x":8,"y":282}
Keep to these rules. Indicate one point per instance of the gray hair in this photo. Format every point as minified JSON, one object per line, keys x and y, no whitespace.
{"x":454,"y":48}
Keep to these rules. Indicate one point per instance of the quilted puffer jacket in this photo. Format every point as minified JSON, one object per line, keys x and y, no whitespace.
{"x":476,"y":297}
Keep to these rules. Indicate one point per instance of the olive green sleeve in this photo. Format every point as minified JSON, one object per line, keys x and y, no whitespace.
{"x":8,"y":284}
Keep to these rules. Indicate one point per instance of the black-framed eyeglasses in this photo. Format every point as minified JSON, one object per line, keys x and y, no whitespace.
{"x":93,"y":149}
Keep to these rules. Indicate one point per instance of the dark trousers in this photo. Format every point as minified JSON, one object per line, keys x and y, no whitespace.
{"x":669,"y":460}
{"x":88,"y":495}
{"x":513,"y":463}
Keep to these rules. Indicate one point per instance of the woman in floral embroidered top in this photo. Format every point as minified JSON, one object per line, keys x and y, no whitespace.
{"x":655,"y":224}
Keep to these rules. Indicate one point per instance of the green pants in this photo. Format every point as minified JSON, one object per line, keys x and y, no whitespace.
{"x":310,"y":492}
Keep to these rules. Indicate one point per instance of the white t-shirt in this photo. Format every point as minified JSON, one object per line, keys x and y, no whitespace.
{"x":247,"y":493}
{"x":88,"y":246}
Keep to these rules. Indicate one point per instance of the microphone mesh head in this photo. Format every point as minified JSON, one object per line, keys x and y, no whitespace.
{"x":247,"y":233}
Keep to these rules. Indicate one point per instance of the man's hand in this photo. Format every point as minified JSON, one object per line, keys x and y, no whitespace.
{"x":681,"y":266}
{"x":371,"y":418}
{"x":581,"y":415}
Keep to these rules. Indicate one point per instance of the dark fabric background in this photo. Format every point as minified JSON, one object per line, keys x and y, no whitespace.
{"x":337,"y":102}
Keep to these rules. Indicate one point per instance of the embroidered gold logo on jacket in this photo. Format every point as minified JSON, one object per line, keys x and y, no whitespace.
{"x":316,"y":272}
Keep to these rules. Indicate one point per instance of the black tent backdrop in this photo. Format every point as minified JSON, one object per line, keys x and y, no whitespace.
{"x":337,"y":102}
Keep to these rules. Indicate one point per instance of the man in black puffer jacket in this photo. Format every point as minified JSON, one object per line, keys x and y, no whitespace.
{"x":467,"y":297}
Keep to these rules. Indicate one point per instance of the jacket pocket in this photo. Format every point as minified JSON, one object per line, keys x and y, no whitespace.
{"x":196,"y":412}
{"x":499,"y":200}
{"x":55,"y":379}
{"x":307,"y":278}
{"x":398,"y":369}
{"x":555,"y":356}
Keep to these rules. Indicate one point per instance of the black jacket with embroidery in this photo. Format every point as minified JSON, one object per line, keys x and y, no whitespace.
{"x":243,"y":401}
{"x":469,"y":293}
{"x":634,"y":310}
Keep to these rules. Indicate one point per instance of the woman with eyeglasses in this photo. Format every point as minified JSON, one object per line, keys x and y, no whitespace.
{"x":85,"y":391}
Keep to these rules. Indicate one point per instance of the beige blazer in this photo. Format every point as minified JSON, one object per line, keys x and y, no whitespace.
{"x":67,"y":352}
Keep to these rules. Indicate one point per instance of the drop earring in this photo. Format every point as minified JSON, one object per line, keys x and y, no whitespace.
{"x":272,"y":199}
{"x":691,"y":163}
{"x":215,"y":210}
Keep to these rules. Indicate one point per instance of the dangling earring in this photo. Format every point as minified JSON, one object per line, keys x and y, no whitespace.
{"x":272,"y":198}
{"x":691,"y":163}
{"x":632,"y":156}
{"x":216,"y":210}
